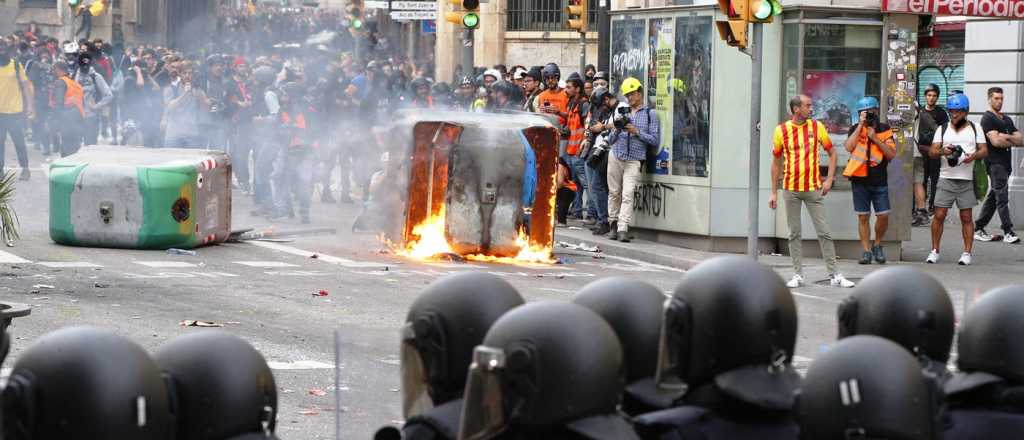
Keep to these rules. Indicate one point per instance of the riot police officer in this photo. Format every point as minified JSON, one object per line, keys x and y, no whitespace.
{"x":82,"y":383}
{"x":222,"y":386}
{"x":546,"y":370}
{"x":986,"y":399}
{"x":633,"y":308}
{"x":868,"y":387}
{"x":728,"y":336}
{"x":441,"y":329}
{"x":906,"y":306}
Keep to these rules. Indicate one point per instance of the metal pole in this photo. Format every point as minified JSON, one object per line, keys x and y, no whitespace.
{"x":753,"y":197}
{"x":603,"y":35}
{"x":583,"y":51}
{"x":467,"y":53}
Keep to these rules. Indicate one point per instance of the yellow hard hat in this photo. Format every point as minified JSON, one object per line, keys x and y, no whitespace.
{"x":630,"y":85}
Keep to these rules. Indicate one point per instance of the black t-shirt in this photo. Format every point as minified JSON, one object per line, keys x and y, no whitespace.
{"x":1002,"y":124}
{"x":877,"y":175}
{"x":930,"y":123}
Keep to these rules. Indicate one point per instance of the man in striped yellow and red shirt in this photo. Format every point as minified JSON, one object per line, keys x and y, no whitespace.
{"x":797,"y":160}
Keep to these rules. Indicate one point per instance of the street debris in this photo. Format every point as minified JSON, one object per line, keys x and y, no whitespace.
{"x":270,"y":234}
{"x":192,"y":323}
{"x":317,"y":392}
{"x":43,"y":286}
{"x":309,"y":412}
{"x":101,"y":285}
{"x":450,"y":256}
{"x":176,"y":251}
{"x":315,"y":255}
{"x":579,"y":247}
{"x":564,"y":260}
{"x":320,"y":293}
{"x":40,"y":298}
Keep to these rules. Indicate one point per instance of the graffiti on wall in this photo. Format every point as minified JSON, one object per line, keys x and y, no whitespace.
{"x":942,"y":66}
{"x":629,"y":50}
{"x":651,"y":199}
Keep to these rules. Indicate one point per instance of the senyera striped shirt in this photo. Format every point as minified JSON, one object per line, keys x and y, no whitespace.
{"x":798,"y":146}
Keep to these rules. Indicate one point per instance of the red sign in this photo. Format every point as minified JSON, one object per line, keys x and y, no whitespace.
{"x":1013,"y":9}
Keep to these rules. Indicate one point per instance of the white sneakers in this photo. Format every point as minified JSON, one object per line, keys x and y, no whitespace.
{"x":981,"y":235}
{"x":795,"y":282}
{"x":836,"y":280}
{"x":965,"y":259}
{"x":933,"y":257}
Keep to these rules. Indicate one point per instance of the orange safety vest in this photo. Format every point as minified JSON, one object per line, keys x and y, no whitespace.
{"x":300,"y":123}
{"x":73,"y":96}
{"x":863,"y":157}
{"x":576,"y":132}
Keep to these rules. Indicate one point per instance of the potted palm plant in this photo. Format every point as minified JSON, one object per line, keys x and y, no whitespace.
{"x":8,"y":219}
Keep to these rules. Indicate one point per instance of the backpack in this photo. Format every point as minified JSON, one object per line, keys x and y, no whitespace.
{"x":980,"y":169}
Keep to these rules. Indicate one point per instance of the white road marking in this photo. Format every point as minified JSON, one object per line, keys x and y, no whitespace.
{"x":68,"y":264}
{"x":300,"y":365}
{"x":165,"y":263}
{"x":266,"y":264}
{"x":182,"y":275}
{"x":819,"y":298}
{"x":297,"y":273}
{"x":9,"y":258}
{"x":552,"y":289}
{"x":322,"y":257}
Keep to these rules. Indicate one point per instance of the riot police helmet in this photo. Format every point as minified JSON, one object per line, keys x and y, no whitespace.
{"x":442,"y":327}
{"x":419,"y":82}
{"x":633,"y":308}
{"x":85,"y":383}
{"x":904,"y":305}
{"x":731,"y":322}
{"x":988,"y":346}
{"x":867,"y":387}
{"x":545,"y":367}
{"x":264,"y":74}
{"x":223,"y":386}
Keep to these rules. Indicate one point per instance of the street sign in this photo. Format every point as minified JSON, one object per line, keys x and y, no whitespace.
{"x":413,"y":15}
{"x":428,"y":26}
{"x":1012,"y":9}
{"x":413,"y":6}
{"x":375,"y":4}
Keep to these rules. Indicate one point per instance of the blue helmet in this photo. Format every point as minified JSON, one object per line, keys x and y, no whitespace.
{"x":958,"y":101}
{"x":867,"y":103}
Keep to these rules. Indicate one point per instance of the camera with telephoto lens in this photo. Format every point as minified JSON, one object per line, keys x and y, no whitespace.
{"x":871,"y":118}
{"x":954,"y":158}
{"x":621,"y":117}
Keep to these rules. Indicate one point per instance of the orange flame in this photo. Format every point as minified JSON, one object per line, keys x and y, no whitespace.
{"x":432,"y":243}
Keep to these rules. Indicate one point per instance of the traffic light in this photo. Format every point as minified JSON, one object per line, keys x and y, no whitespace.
{"x":469,"y":17}
{"x":763,"y":11}
{"x":734,"y":29}
{"x":577,"y":15}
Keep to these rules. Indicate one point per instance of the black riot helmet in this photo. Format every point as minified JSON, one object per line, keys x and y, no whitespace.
{"x":442,"y":327}
{"x":598,"y":95}
{"x":633,"y":308}
{"x":221,"y":384}
{"x":904,"y":305}
{"x":601,"y":75}
{"x":543,"y":367}
{"x":988,"y":346}
{"x":866,"y":387}
{"x":731,"y":321}
{"x":85,"y":383}
{"x":551,"y":70}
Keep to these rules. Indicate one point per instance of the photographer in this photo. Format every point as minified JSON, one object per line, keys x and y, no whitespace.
{"x":635,"y":129}
{"x":595,"y":155}
{"x":871,"y":148}
{"x":184,"y":104}
{"x":214,"y":123}
{"x":97,"y":96}
{"x":959,"y":143}
{"x":143,"y":98}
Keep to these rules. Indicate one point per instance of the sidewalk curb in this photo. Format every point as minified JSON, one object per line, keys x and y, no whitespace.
{"x":636,"y":250}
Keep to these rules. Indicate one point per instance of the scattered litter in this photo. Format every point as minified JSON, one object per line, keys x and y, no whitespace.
{"x":776,"y":254}
{"x":309,"y":412}
{"x":383,"y":251}
{"x":74,"y":300}
{"x":598,"y":257}
{"x":191,"y":323}
{"x":320,"y":293}
{"x":287,"y":391}
{"x":575,"y":228}
{"x":101,"y":285}
{"x":314,"y":256}
{"x":579,"y":247}
{"x":137,"y":317}
{"x":42,"y":286}
{"x":317,"y":392}
{"x":40,"y":298}
{"x":450,"y":256}
{"x":176,"y":251}
{"x":394,"y":390}
{"x":233,"y":322}
{"x":564,"y":260}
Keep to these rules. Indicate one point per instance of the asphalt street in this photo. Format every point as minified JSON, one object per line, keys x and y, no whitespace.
{"x":264,"y":292}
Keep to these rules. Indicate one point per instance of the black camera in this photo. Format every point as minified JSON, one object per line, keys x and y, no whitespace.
{"x":954,"y":158}
{"x":871,"y":118}
{"x":621,"y":117}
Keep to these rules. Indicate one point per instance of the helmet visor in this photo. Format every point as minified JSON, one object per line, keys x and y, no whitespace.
{"x":483,"y":412}
{"x":415,"y":388}
{"x":672,"y":345}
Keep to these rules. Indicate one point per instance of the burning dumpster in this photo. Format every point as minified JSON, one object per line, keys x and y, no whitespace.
{"x":126,"y":197}
{"x":481,"y":186}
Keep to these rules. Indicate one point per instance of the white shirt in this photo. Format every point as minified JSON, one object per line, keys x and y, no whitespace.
{"x":967,"y":138}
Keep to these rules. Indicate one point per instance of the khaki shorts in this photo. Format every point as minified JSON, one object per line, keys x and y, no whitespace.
{"x":949,"y":191}
{"x":918,"y":170}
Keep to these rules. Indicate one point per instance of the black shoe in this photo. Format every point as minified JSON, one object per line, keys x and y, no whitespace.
{"x":614,"y":235}
{"x":865,"y":258}
{"x":602,"y":229}
{"x":613,"y":225}
{"x":327,"y":197}
{"x":878,"y":253}
{"x":624,"y":237}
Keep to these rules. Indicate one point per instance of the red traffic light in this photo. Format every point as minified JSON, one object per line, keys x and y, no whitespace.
{"x":471,"y":4}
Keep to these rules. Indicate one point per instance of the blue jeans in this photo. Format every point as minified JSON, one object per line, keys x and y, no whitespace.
{"x":597,"y":192}
{"x":579,"y":176}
